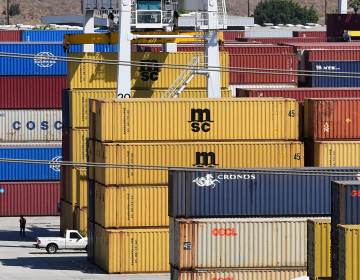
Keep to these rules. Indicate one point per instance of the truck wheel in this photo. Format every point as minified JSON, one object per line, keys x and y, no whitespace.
{"x":51,"y":248}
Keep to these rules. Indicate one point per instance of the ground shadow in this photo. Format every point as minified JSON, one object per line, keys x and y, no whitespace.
{"x":31,"y":233}
{"x":54,"y":262}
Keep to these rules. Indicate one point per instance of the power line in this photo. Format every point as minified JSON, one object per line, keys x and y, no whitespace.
{"x":334,"y":74}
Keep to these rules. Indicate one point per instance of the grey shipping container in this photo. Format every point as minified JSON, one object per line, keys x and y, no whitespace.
{"x":345,"y":210}
{"x":261,"y":193}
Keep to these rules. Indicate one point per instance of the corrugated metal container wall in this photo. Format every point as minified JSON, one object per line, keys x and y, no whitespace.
{"x":283,"y":64}
{"x":321,"y":34}
{"x":78,"y":144}
{"x":232,"y":35}
{"x":131,"y":206}
{"x":266,"y":32}
{"x":300,"y":46}
{"x":132,"y":250}
{"x":82,"y":187}
{"x":46,"y":35}
{"x":318,"y":249}
{"x":243,"y":274}
{"x":31,"y":92}
{"x":69,"y":176}
{"x":300,"y":94}
{"x":10,"y":35}
{"x":65,"y":152}
{"x":30,"y":125}
{"x":67,"y":216}
{"x":332,"y":55}
{"x":239,"y":243}
{"x":91,"y":201}
{"x":37,"y":66}
{"x":347,"y":79}
{"x":336,"y":154}
{"x":91,"y":242}
{"x":29,"y":198}
{"x":204,"y":154}
{"x":80,"y":220}
{"x":283,"y":40}
{"x":96,"y":76}
{"x":241,"y":48}
{"x":197,"y":119}
{"x":332,"y":118}
{"x":106,"y":48}
{"x":349,"y":248}
{"x":30,"y":172}
{"x":286,"y":192}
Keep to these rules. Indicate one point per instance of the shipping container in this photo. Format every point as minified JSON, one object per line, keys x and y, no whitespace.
{"x":301,"y":46}
{"x":197,"y":119}
{"x":10,"y":35}
{"x":67,"y":216}
{"x":263,"y":32}
{"x":43,"y":65}
{"x":31,"y":92}
{"x":331,"y":119}
{"x":335,"y":154}
{"x":82,"y":187}
{"x":46,"y":35}
{"x":91,"y":201}
{"x":257,"y":192}
{"x":300,"y":94}
{"x":314,"y":34}
{"x":18,"y":171}
{"x":318,"y":249}
{"x":349,"y":248}
{"x":69,"y":184}
{"x":345,"y":210}
{"x":131,"y":206}
{"x":65,"y":152}
{"x":132,"y":250}
{"x":279,"y":40}
{"x":199,"y":154}
{"x":29,"y":198}
{"x":253,"y":69}
{"x":231,"y":35}
{"x":333,"y":74}
{"x":239,"y":274}
{"x":91,"y":242}
{"x":78,"y":144}
{"x":148,"y":76}
{"x":238,"y":243}
{"x":80,"y":220}
{"x":30,"y":125}
{"x":332,"y":55}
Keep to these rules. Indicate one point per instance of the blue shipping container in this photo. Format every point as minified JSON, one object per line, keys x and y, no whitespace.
{"x":34,"y":66}
{"x":46,"y":35}
{"x":328,"y":79}
{"x":262,"y":193}
{"x":345,"y":211}
{"x":30,"y":172}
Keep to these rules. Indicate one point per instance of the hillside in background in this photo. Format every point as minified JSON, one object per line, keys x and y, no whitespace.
{"x":33,"y":10}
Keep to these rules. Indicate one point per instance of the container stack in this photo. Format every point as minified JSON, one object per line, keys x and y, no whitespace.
{"x":345,"y":230}
{"x":219,"y":211}
{"x":332,"y":129}
{"x":183,"y":132}
{"x":31,"y":123}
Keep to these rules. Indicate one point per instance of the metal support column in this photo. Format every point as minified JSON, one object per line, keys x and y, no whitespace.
{"x":212,"y":50}
{"x":124,"y":55}
{"x":89,"y":23}
{"x":342,"y":6}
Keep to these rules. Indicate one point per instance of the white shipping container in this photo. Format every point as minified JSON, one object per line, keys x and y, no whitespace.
{"x":238,"y":243}
{"x":30,"y":125}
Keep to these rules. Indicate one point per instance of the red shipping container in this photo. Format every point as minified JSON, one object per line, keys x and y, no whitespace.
{"x":10,"y":36}
{"x":300,"y":94}
{"x":274,"y":40}
{"x":261,"y":65}
{"x":242,"y":48}
{"x":299,"y":46}
{"x":30,"y":92}
{"x":232,"y":35}
{"x":29,"y":198}
{"x":314,"y":34}
{"x":328,"y":119}
{"x":333,"y":55}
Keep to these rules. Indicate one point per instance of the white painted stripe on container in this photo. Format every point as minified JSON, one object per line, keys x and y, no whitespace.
{"x":30,"y":125}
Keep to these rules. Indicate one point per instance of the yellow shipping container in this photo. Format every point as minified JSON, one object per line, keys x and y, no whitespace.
{"x":80,"y":220}
{"x":197,"y":119}
{"x":78,"y":101}
{"x":66,"y":216}
{"x":132,"y":250}
{"x":200,"y":154}
{"x":69,"y":186}
{"x":337,"y":154}
{"x":82,"y":187}
{"x":349,"y":252}
{"x":131,"y":206}
{"x":150,"y":76}
{"x":318,"y":249}
{"x":78,"y":144}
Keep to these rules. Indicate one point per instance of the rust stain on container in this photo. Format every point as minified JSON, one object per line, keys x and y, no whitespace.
{"x":206,"y":154}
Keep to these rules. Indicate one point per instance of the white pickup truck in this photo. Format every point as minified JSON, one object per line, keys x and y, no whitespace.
{"x":72,"y":241}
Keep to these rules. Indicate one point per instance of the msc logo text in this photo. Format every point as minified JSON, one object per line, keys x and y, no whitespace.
{"x":149,"y":72}
{"x":200,"y":120}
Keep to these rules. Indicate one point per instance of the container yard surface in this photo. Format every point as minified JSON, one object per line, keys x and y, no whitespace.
{"x":19,"y":260}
